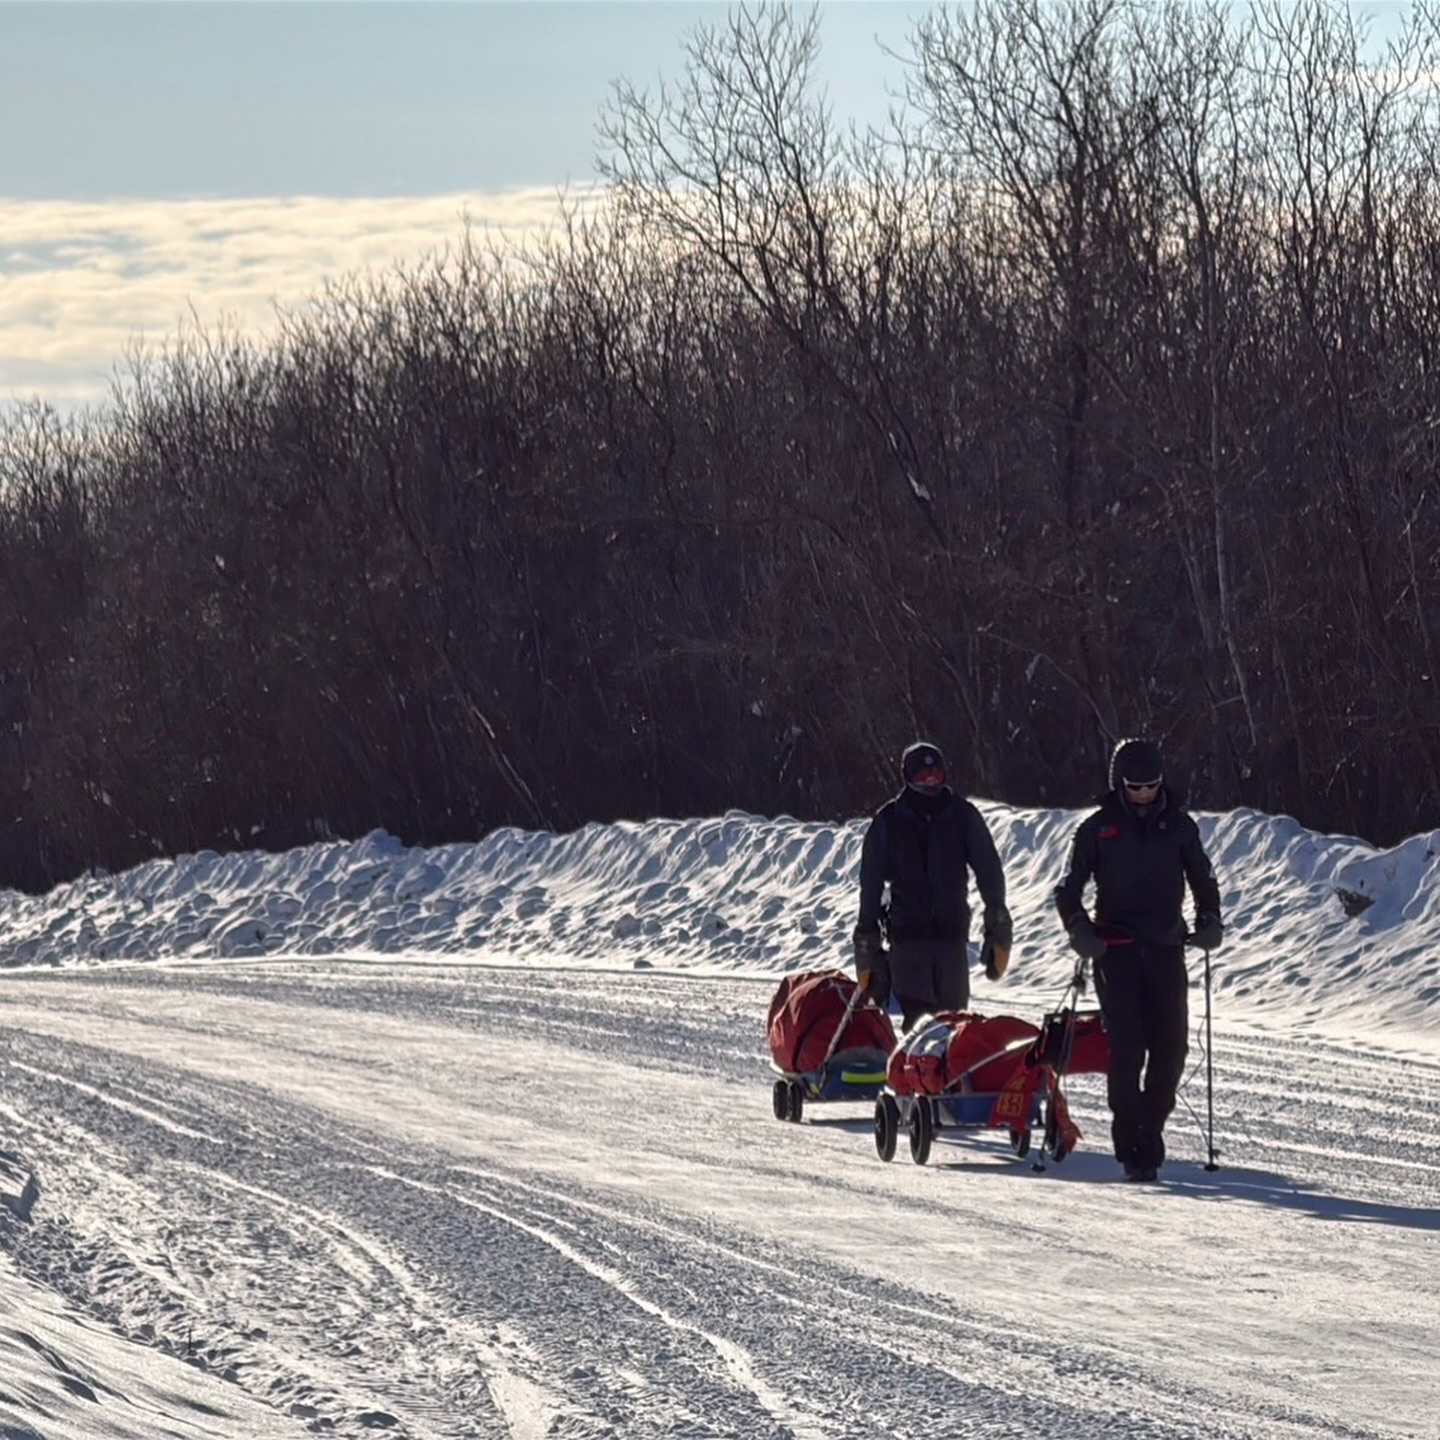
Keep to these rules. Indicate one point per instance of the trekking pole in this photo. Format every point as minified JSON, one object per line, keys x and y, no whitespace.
{"x":857,"y":995}
{"x":1212,"y":1164}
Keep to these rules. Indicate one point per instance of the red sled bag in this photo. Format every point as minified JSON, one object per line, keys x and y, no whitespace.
{"x":960,"y":1052}
{"x":808,"y":1009}
{"x":1073,"y":1042}
{"x":1089,"y":1047}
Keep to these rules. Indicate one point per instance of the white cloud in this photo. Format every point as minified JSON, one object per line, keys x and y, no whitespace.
{"x":82,"y":283}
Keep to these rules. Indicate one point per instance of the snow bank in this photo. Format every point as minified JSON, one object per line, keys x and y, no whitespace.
{"x":1325,"y":925}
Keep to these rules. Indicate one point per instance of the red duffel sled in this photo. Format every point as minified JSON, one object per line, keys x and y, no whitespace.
{"x":1074,"y":1042}
{"x":828,"y":1041}
{"x":960,"y":1070}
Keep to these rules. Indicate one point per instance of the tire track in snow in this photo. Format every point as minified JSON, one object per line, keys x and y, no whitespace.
{"x":529,"y":1409}
{"x":738,"y":1364}
{"x":148,"y":1112}
{"x":207,"y":1256}
{"x":529,"y":1405}
{"x":1104,"y":1390}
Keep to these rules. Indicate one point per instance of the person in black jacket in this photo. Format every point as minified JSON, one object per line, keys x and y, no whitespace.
{"x":923,"y":844}
{"x":1141,"y":848}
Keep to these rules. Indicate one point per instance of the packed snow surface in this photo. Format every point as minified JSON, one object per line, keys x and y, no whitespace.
{"x":477,"y":1141}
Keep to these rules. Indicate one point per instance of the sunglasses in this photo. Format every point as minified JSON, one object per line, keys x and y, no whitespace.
{"x":1142,"y":784}
{"x":929,"y":778}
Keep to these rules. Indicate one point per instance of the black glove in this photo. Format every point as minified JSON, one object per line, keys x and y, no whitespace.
{"x":998,"y":926}
{"x":999,"y":936}
{"x":1209,"y":933}
{"x":872,"y":973}
{"x":1085,"y":940}
{"x":995,"y":957}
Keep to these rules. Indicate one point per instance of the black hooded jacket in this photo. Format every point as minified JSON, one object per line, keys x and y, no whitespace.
{"x":922,"y":846}
{"x":1141,"y":862}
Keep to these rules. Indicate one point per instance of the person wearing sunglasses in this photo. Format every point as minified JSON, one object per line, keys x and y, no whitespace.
{"x":1141,"y":849}
{"x":924,"y":845}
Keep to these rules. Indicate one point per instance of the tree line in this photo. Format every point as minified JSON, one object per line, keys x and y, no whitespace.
{"x":1095,"y":396}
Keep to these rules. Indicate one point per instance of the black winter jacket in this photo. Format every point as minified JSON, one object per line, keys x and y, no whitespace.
{"x":1141,"y":864}
{"x":922,"y":847}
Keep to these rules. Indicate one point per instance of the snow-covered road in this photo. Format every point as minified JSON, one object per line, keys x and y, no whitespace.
{"x":440,"y":1200}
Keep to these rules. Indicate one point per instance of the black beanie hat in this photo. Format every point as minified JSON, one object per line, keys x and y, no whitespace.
{"x":1136,"y":761}
{"x":920,"y":756}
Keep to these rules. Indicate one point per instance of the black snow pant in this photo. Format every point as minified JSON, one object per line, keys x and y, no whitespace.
{"x":929,"y":975}
{"x":1144,"y":997}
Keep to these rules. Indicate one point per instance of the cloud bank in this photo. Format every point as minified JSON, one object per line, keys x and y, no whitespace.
{"x":82,"y":284}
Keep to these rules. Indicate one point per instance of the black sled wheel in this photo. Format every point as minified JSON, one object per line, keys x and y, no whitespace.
{"x":887,"y":1126}
{"x":796,"y":1108}
{"x":780,"y":1099}
{"x":922,"y":1130}
{"x":1020,"y":1141}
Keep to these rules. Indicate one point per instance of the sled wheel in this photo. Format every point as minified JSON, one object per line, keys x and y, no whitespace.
{"x":796,"y":1107}
{"x":1020,"y":1141}
{"x":922,"y":1130}
{"x":780,"y":1099}
{"x":887,"y":1126}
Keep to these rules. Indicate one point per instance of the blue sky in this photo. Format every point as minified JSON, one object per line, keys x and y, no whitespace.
{"x":171,"y":164}
{"x":152,"y":101}
{"x":174,"y":164}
